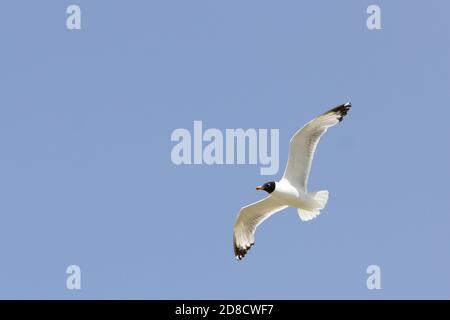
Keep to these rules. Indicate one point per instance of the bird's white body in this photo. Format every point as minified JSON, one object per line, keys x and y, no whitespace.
{"x":287,"y":194}
{"x":291,"y":190}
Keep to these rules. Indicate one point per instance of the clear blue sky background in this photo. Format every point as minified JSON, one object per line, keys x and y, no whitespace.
{"x":85,"y":170}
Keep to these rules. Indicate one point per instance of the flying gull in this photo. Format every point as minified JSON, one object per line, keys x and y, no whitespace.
{"x":291,"y":190}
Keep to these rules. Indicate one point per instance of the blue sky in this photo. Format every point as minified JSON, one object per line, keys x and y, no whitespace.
{"x":86,"y":176}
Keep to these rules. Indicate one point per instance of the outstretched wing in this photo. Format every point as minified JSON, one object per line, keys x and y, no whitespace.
{"x":304,"y":142}
{"x":249,"y":218}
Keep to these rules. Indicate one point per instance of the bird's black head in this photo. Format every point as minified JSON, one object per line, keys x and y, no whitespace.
{"x":268,"y":186}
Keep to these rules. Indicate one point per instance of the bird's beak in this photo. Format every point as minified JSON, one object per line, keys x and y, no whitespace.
{"x":259,"y":188}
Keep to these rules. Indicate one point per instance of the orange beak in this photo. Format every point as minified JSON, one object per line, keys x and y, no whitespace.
{"x":259,"y":188}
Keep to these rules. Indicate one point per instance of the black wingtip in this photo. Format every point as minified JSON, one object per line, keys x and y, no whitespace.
{"x":341,"y":110}
{"x":240,"y":253}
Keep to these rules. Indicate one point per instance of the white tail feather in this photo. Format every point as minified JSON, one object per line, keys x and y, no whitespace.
{"x":306,"y":215}
{"x":321,"y":197}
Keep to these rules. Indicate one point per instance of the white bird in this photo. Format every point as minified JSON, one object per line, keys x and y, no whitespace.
{"x":291,"y":190}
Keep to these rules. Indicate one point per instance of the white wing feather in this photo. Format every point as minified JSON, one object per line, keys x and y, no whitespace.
{"x":304,"y":142}
{"x":249,"y":218}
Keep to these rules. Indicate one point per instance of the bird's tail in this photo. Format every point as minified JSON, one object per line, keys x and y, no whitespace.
{"x":321,"y":197}
{"x":306,"y":215}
